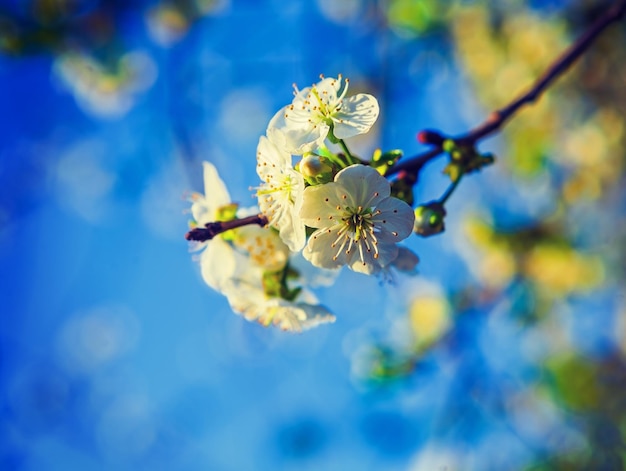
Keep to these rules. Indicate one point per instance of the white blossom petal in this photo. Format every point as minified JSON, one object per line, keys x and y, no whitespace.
{"x":249,"y":300}
{"x":358,"y":223}
{"x":307,"y":121}
{"x":363,"y":185}
{"x":357,"y":115}
{"x":262,"y":246}
{"x":280,"y":195}
{"x":214,"y":187}
{"x":321,"y":200}
{"x":205,"y":207}
{"x":218,"y":263}
{"x":387,"y":253}
{"x":321,"y":252}
{"x":298,"y":135}
{"x":394,"y":218}
{"x":235,"y":265}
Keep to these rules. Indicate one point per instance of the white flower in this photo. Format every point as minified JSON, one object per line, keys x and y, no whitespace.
{"x":358,"y":222}
{"x":205,"y":208}
{"x":317,"y":110}
{"x":246,"y":291}
{"x":248,"y":298}
{"x":235,"y":264}
{"x":236,"y":269}
{"x":280,"y":194}
{"x":263,"y":246}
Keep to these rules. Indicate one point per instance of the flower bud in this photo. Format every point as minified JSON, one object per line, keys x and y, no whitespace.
{"x":428,"y":136}
{"x":429,"y":219}
{"x":316,"y":169}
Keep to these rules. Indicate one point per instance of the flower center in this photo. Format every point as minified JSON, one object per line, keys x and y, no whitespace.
{"x":357,"y":229}
{"x":285,"y":185}
{"x":323,"y":107}
{"x":359,"y":222}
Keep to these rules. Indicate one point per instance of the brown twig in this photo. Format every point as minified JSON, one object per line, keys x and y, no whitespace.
{"x":211,"y":229}
{"x":412,"y":166}
{"x":499,"y":117}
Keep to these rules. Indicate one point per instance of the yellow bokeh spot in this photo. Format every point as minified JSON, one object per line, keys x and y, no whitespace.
{"x":172,"y":18}
{"x":478,"y":231}
{"x":511,"y":80}
{"x":108,"y":84}
{"x":498,"y":268}
{"x":497,"y":265}
{"x":587,"y":145}
{"x":560,"y":270}
{"x":582,"y":186}
{"x":429,"y":318}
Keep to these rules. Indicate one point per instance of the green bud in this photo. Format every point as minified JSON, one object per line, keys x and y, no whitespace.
{"x":449,"y":145}
{"x":316,"y":170}
{"x":429,"y":219}
{"x":383,"y":161}
{"x":227,"y":212}
{"x":453,"y":170}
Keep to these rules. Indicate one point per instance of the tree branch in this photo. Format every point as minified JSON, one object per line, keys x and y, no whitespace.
{"x":211,"y":229}
{"x":499,"y":117}
{"x":411,"y":167}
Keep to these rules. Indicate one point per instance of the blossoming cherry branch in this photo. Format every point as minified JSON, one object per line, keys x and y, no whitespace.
{"x":332,"y":208}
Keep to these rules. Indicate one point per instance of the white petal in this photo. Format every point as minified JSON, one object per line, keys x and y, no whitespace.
{"x":320,"y":251}
{"x":357,"y":115}
{"x":319,"y":204}
{"x":282,"y":206}
{"x":305,"y":139}
{"x":218,"y":264}
{"x":293,"y":231}
{"x":270,"y":159}
{"x":297,"y":134}
{"x":369,"y":265}
{"x":204,"y":208}
{"x":201,"y":211}
{"x":395,"y":220}
{"x":301,"y":316}
{"x":363,"y":185}
{"x":280,"y":197}
{"x":262,"y":246}
{"x":328,"y":89}
{"x":249,"y":300}
{"x":214,"y":188}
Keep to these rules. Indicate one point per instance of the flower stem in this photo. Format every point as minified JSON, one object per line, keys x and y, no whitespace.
{"x":450,"y":190}
{"x":334,"y":159}
{"x":349,"y":157}
{"x":498,"y":118}
{"x":212,"y":229}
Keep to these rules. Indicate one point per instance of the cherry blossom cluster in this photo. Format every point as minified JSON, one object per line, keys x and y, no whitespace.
{"x":324,"y":209}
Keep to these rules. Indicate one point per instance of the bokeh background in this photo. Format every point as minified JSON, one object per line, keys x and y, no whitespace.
{"x":505,"y":352}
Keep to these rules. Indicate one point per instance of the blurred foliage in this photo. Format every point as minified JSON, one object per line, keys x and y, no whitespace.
{"x":91,"y":56}
{"x":569,"y":148}
{"x":32,"y":26}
